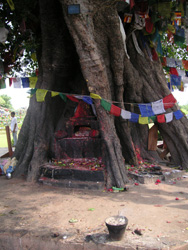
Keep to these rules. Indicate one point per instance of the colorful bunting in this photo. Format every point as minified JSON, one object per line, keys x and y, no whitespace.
{"x":115,"y":110}
{"x":72,"y":98}
{"x":146,"y":110}
{"x":95,"y":96}
{"x":169,"y":117}
{"x":143,"y":120}
{"x":25,"y":82}
{"x":88,"y":100}
{"x":125,"y":114}
{"x":178,"y":114}
{"x":17,"y":82}
{"x":106,"y":105}
{"x":169,"y":101}
{"x":134,"y":117}
{"x":40,"y":95}
{"x":158,"y":107}
{"x":63,"y":97}
{"x":32,"y":82}
{"x":161,"y":118}
{"x":53,"y":93}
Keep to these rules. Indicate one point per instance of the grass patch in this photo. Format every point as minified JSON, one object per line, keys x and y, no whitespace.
{"x":3,"y":139}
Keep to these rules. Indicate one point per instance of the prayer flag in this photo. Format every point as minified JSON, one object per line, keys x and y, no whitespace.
{"x":163,"y":61}
{"x":169,"y":101}
{"x":161,"y":118}
{"x":40,"y":95}
{"x":175,"y":80}
{"x":178,"y":114}
{"x":146,"y":110}
{"x":32,"y":82}
{"x":25,"y":82}
{"x":185,"y":64}
{"x":72,"y":98}
{"x":2,"y":84}
{"x":173,"y":71}
{"x":53,"y":93}
{"x":115,"y":110}
{"x":169,"y":117}
{"x":11,"y":4}
{"x":106,"y":105}
{"x":125,"y":114}
{"x":143,"y":120}
{"x":134,"y":117}
{"x":17,"y":82}
{"x":95,"y":96}
{"x":88,"y":100}
{"x":10,"y":81}
{"x":63,"y":97}
{"x":170,"y":62}
{"x":158,"y":107}
{"x":152,"y":119}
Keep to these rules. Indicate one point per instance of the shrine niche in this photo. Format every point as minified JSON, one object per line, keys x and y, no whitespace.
{"x":78,"y":152}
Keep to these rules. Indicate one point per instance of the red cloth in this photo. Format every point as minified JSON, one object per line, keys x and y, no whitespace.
{"x":173,"y":71}
{"x":163,"y":61}
{"x":154,"y":55}
{"x":185,"y":64}
{"x":10,"y":81}
{"x":169,"y":101}
{"x":72,"y":98}
{"x":161,"y":118}
{"x":115,"y":110}
{"x":149,"y":25}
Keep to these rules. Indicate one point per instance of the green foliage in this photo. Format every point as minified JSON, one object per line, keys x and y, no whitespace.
{"x":184,"y":109}
{"x":2,"y":101}
{"x":7,"y":101}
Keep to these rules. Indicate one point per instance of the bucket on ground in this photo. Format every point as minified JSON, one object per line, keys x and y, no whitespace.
{"x":116,"y":226}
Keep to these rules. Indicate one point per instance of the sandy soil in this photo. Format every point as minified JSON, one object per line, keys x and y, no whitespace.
{"x":71,"y":215}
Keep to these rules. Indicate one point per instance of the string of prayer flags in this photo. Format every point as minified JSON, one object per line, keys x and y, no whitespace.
{"x":115,"y":110}
{"x":169,"y":117}
{"x":25,"y":82}
{"x":95,"y":96}
{"x":143,"y":120}
{"x":53,"y":93}
{"x":106,"y":105}
{"x":161,"y":118}
{"x":125,"y":114}
{"x":63,"y":97}
{"x":134,"y":117}
{"x":175,"y":80}
{"x":158,"y":107}
{"x":11,"y":4}
{"x":32,"y":82}
{"x":146,"y":110}
{"x":169,"y":101}
{"x":40,"y":95}
{"x":178,"y":114}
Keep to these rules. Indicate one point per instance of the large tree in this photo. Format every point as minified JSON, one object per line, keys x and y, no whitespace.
{"x":86,"y":53}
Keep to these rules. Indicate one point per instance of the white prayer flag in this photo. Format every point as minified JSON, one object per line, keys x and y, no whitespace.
{"x":125,"y":114}
{"x":169,"y":117}
{"x":17,"y":83}
{"x":158,"y":107}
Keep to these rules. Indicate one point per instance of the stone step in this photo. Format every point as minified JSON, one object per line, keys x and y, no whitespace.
{"x":91,"y":185}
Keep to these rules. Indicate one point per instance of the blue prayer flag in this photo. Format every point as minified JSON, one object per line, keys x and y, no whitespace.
{"x":134,"y":117}
{"x":178,"y":114}
{"x":87,"y":99}
{"x":146,"y":110}
{"x":25,"y":82}
{"x":175,"y":80}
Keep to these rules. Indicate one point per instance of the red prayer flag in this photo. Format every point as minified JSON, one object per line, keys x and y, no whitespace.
{"x":173,"y":71}
{"x":185,"y":64}
{"x":169,"y":101}
{"x":161,"y":118}
{"x":72,"y":98}
{"x":10,"y":81}
{"x":163,"y":61}
{"x":115,"y":110}
{"x":132,"y":3}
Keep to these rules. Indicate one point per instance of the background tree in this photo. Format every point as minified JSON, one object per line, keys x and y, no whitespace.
{"x":6,"y":101}
{"x":84,"y":54}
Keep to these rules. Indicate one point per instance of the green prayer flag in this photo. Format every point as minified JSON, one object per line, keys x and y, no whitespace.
{"x":106,"y":105}
{"x":63,"y":97}
{"x":152,"y":119}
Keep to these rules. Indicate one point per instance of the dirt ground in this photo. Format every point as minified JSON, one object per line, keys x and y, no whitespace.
{"x":160,"y":212}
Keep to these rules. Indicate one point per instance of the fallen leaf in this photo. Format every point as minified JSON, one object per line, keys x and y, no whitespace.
{"x":91,"y":209}
{"x":73,"y":220}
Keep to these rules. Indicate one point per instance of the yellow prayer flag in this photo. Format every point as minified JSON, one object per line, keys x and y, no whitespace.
{"x":40,"y":94}
{"x":11,"y":4}
{"x":32,"y":82}
{"x":53,"y":93}
{"x":143,"y":120}
{"x":95,"y":96}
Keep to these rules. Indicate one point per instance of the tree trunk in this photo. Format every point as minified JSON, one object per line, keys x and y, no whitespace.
{"x":84,"y":54}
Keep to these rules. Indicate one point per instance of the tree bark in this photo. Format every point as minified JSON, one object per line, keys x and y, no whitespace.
{"x":85,"y":54}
